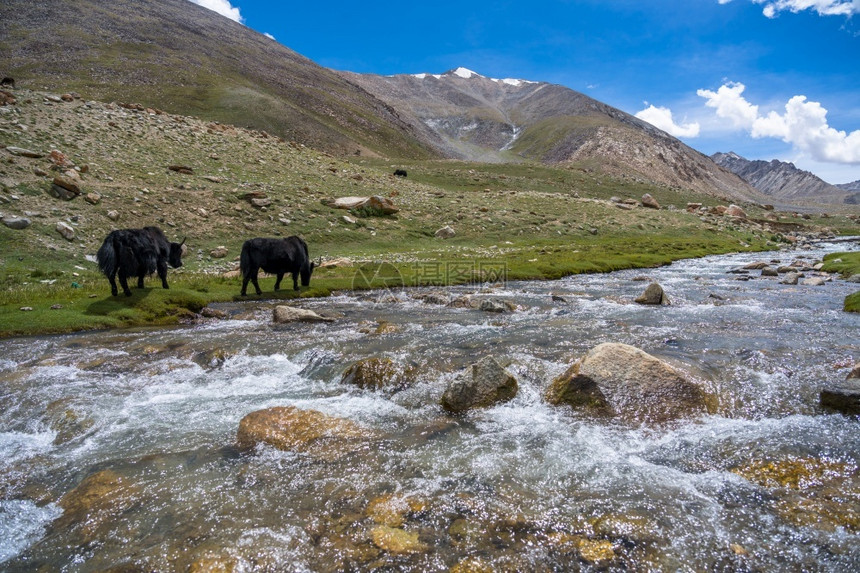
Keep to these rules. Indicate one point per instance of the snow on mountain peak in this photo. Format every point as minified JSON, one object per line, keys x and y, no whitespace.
{"x":465,"y":73}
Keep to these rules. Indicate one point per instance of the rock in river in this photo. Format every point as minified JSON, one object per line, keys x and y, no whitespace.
{"x":625,"y":381}
{"x":845,"y":396}
{"x":653,"y":295}
{"x":378,"y":374}
{"x":284,"y":314}
{"x":482,"y":384}
{"x":306,"y":431}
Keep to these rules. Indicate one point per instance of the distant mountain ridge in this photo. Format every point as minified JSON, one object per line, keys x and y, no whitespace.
{"x":470,"y":116}
{"x":782,"y":180}
{"x":186,"y":59}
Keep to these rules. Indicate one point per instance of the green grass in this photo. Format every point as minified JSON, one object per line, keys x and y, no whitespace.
{"x":846,"y":264}
{"x":852,"y":302}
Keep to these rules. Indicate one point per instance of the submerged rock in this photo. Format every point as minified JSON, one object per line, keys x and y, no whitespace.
{"x":397,"y":541}
{"x":625,"y":381}
{"x":285,"y":314}
{"x":843,"y":397}
{"x":98,"y":500}
{"x":482,"y":384}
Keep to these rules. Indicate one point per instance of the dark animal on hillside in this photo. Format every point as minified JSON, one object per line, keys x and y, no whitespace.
{"x":7,"y":82}
{"x":400,"y":172}
{"x":276,"y":257}
{"x":137,"y":253}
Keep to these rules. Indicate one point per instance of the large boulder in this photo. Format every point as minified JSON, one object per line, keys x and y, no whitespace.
{"x":653,"y":295}
{"x":650,"y":201}
{"x":482,"y":384}
{"x":845,"y":396}
{"x":621,"y":380}
{"x":735,"y":211}
{"x":289,"y":428}
{"x":374,"y":202}
{"x":445,"y":232}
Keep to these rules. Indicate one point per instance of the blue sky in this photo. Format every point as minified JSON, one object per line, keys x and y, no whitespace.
{"x":768,"y":79}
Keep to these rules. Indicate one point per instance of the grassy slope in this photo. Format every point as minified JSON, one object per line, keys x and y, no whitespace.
{"x":533,"y":221}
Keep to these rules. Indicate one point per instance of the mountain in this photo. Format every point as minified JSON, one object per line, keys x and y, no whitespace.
{"x":853,"y":189}
{"x":470,"y":116}
{"x":177,"y":56}
{"x":782,"y":180}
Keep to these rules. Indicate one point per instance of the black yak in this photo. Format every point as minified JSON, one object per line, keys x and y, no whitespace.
{"x":276,"y":257}
{"x":137,"y":253}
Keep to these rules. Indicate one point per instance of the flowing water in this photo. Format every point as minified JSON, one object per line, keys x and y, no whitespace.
{"x":119,"y":448}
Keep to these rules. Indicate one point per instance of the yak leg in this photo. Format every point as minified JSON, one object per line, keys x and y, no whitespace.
{"x":295,"y":281}
{"x":162,"y":273}
{"x":113,"y":289}
{"x":123,"y":281}
{"x":250,"y":276}
{"x":278,"y":281}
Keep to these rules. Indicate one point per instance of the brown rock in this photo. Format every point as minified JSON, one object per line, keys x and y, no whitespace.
{"x":628,"y":382}
{"x":60,"y":159}
{"x":98,"y":500}
{"x":65,"y":188}
{"x":649,"y":201}
{"x":306,"y":431}
{"x":184,"y":169}
{"x":397,"y":541}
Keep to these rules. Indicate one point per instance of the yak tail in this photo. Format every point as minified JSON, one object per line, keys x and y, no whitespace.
{"x":245,"y":260}
{"x":107,"y":256}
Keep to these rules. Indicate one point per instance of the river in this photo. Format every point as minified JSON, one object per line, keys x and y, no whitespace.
{"x":119,"y":446}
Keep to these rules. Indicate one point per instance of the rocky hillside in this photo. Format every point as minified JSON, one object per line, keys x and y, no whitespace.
{"x":782,"y":181}
{"x":854,"y":189}
{"x":182,"y":58}
{"x":479,"y":118}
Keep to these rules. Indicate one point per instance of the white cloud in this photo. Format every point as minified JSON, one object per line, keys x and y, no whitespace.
{"x":268,"y":35}
{"x":803,"y":125}
{"x":730,"y":104}
{"x":223,"y":7}
{"x":661,"y":118}
{"x":772,"y":8}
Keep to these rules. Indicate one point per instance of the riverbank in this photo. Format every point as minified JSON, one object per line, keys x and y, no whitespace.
{"x":57,"y":306}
